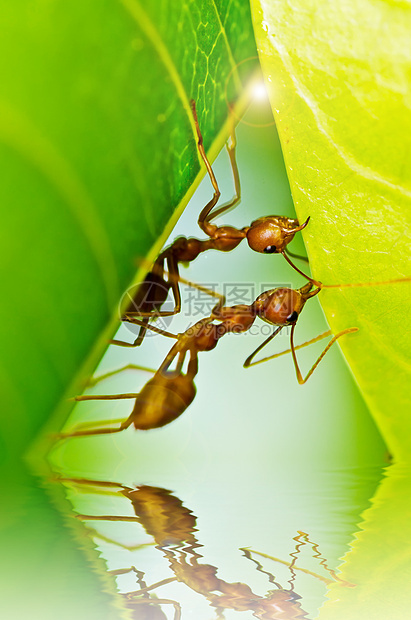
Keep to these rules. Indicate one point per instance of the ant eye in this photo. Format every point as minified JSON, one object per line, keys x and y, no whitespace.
{"x":270,"y":249}
{"x":293,"y":317}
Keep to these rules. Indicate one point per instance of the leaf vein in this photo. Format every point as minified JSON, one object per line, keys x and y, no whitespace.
{"x":364,"y":171}
{"x":134,"y":8}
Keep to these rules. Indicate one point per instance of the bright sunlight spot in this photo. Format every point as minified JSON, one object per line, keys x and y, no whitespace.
{"x":259,"y":91}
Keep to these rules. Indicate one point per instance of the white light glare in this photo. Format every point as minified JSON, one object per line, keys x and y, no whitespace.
{"x":259,"y":91}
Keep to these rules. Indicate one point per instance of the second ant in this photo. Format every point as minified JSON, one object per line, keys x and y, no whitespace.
{"x":270,"y":235}
{"x":169,"y":392}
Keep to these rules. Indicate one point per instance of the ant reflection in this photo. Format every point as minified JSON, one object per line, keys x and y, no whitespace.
{"x":145,"y":607}
{"x":172,"y":526}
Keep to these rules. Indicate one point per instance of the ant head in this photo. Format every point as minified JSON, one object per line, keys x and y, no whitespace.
{"x":271,"y":234}
{"x":281,"y":306}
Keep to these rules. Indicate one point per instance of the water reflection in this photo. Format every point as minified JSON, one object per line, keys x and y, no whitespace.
{"x":172,"y":526}
{"x":379,"y":558}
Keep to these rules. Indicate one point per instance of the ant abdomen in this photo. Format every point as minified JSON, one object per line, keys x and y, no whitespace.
{"x":150,"y":295}
{"x":162,"y":515}
{"x":163,"y":399}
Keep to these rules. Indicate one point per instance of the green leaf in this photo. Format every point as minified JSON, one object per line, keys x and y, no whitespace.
{"x":378,"y":560}
{"x":98,"y":151}
{"x":47,"y":572}
{"x":338,"y":76}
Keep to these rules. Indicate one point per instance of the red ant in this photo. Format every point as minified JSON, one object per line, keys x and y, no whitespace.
{"x":172,"y":526}
{"x":144,"y":605}
{"x":282,"y":307}
{"x":270,"y":235}
{"x":168,"y":394}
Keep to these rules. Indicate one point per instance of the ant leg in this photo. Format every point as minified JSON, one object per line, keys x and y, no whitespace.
{"x":94,"y":380}
{"x":132,"y":569}
{"x":149,"y":297}
{"x":271,"y":578}
{"x":153,"y":328}
{"x":105,"y":396}
{"x":163,"y":582}
{"x":290,"y":262}
{"x":135,"y":321}
{"x":231,"y":148}
{"x":177,"y":349}
{"x":96,"y":424}
{"x":300,"y":379}
{"x":304,"y":258}
{"x":202,"y":220}
{"x":303,"y":539}
{"x":285,"y":563}
{"x":248,"y":363}
{"x":104,"y":487}
{"x":143,"y":592}
{"x":158,"y":601}
{"x":99,"y":431}
{"x":174,"y":279}
{"x":172,"y":282}
{"x":139,"y":576}
{"x":81,"y":517}
{"x":144,"y":322}
{"x":112,"y":541}
{"x":221,"y":298}
{"x":142,"y":332}
{"x":180,"y":361}
{"x":154,"y":293}
{"x":192,"y":368}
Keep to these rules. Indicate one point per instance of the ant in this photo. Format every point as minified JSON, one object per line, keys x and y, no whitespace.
{"x":172,"y":526}
{"x":168,"y":394}
{"x":281,"y":307}
{"x":144,"y":605}
{"x":270,"y":235}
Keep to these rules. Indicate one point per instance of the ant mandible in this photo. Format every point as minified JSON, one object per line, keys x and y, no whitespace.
{"x":270,"y":235}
